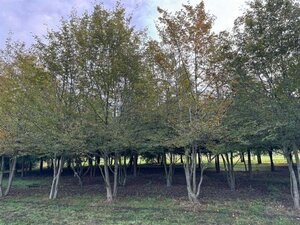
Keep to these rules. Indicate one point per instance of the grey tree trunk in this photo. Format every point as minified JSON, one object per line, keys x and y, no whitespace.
{"x":125,"y":171}
{"x":109,"y":194}
{"x":296,"y":154}
{"x":244,"y":161}
{"x":229,"y":169}
{"x":293,"y":182}
{"x":12,"y":171}
{"x":1,"y":175}
{"x":77,"y":174}
{"x":194,"y":168}
{"x":54,"y":166}
{"x":116,"y":169}
{"x":122,"y":174}
{"x":189,"y":166}
{"x":57,"y":169}
{"x":58,"y":177}
{"x":169,"y":171}
{"x":199,"y":160}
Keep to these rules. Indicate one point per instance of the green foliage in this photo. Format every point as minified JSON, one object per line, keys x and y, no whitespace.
{"x":266,"y":106}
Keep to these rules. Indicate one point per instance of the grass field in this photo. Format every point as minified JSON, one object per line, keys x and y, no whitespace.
{"x":146,"y":200}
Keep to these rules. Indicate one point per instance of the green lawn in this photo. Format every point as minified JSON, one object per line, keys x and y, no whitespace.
{"x":146,"y":200}
{"x":92,"y":209}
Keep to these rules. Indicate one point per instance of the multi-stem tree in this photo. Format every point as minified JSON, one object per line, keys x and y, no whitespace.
{"x":96,"y":61}
{"x":267,"y":40}
{"x":187,"y":44}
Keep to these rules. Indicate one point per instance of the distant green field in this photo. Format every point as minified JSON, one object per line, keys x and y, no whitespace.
{"x":278,"y":160}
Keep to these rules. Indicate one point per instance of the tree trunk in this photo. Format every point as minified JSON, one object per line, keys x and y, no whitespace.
{"x":58,"y":177}
{"x":109,"y":194}
{"x":41,"y":166}
{"x":130,"y":164}
{"x":22,"y":167}
{"x":258,"y":158}
{"x":135,"y":162}
{"x":291,"y":158}
{"x":57,"y":169}
{"x":91,"y":166}
{"x":199,"y":159}
{"x":271,"y":161}
{"x":242,"y":157}
{"x":30,"y":167}
{"x":293,"y":182}
{"x":217,"y":164}
{"x":295,"y":151}
{"x":122,"y":174}
{"x":190,"y":175}
{"x":1,"y":175}
{"x":158,"y":159}
{"x":54,"y":166}
{"x":232,"y":177}
{"x":161,"y":160}
{"x":188,"y":169}
{"x":97,"y":162}
{"x":244,"y":161}
{"x":168,"y":171}
{"x":77,"y":174}
{"x":193,"y":169}
{"x":12,"y":170}
{"x":229,"y":169}
{"x":69,"y":163}
{"x":125,"y":171}
{"x":249,"y":164}
{"x":94,"y":170}
{"x":116,"y":165}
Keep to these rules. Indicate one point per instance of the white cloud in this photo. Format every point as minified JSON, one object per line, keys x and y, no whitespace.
{"x":24,"y":18}
{"x":225,"y":11}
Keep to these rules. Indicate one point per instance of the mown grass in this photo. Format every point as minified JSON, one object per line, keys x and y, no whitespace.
{"x":145,"y":200}
{"x":92,"y":209}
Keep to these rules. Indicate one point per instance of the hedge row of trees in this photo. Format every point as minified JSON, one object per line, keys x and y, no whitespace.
{"x":99,"y":89}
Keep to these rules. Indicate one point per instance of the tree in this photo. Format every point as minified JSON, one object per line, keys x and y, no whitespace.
{"x":12,"y":127}
{"x":267,"y":37}
{"x":96,"y":61}
{"x":187,"y":44}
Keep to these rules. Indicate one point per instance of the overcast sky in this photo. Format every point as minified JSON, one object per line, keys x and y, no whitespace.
{"x":25,"y":18}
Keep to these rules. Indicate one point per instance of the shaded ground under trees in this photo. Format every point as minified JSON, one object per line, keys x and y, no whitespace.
{"x":146,"y":200}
